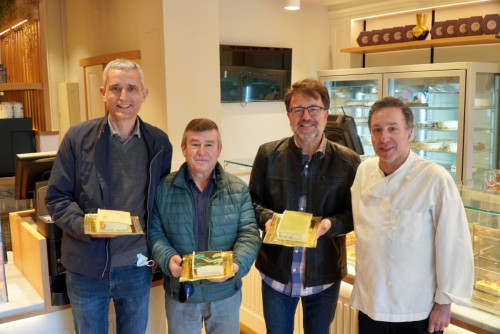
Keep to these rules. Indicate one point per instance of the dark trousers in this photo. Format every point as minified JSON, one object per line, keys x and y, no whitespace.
{"x":369,"y":326}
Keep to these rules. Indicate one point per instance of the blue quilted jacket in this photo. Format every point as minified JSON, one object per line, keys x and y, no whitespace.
{"x":232,"y":226}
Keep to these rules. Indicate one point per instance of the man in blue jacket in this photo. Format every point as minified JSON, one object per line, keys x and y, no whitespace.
{"x":114,"y":162}
{"x":203,"y":208}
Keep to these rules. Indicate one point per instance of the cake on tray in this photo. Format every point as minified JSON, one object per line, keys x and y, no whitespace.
{"x":113,"y":221}
{"x":208,"y":263}
{"x":294,"y":226}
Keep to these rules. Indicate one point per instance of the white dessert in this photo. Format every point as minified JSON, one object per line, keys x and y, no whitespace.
{"x":294,"y":226}
{"x":481,"y":102}
{"x":207,"y":264}
{"x":113,"y":221}
{"x":448,"y":125}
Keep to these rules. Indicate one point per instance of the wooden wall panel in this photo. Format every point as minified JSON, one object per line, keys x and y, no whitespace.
{"x":20,"y":53}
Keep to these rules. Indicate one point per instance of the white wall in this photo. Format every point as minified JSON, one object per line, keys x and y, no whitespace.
{"x":193,"y":32}
{"x":266,"y":23}
{"x":93,"y":27}
{"x":192,"y":67}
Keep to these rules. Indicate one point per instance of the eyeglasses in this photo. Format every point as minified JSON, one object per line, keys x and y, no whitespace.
{"x":312,"y":110}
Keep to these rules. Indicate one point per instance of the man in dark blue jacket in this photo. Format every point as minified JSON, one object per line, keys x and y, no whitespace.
{"x":114,"y":162}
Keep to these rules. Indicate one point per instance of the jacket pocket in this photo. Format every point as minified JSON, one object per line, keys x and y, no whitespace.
{"x":408,"y":225}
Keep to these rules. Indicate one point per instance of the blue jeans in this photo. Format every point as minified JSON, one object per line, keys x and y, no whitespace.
{"x":318,"y":310}
{"x":221,"y":316}
{"x":129,"y":286}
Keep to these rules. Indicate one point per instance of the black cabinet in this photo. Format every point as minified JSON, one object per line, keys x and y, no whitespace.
{"x":16,"y":136}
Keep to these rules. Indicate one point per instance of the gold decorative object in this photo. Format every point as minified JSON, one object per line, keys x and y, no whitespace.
{"x":421,"y":31}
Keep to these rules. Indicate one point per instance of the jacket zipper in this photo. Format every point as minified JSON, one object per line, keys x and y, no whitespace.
{"x":149,"y":189}
{"x":107,"y":258}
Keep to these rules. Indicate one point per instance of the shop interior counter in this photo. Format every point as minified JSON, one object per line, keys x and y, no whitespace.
{"x":483,"y":213}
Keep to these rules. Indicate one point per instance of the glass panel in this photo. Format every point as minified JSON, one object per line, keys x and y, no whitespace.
{"x":434,"y":102}
{"x":354,"y":98}
{"x":259,"y":88}
{"x":485,"y":134}
{"x":230,"y":86}
{"x":483,"y":214}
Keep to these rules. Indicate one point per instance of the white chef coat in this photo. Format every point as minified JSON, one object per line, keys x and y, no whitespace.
{"x":413,"y":246}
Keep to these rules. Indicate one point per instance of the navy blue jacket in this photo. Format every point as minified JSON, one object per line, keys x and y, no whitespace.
{"x":79,"y":184}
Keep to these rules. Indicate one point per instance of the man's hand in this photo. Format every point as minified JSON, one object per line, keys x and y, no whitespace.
{"x":225,"y":278}
{"x":439,"y":318}
{"x":175,"y":266}
{"x":324,"y":226}
{"x":268,"y":224}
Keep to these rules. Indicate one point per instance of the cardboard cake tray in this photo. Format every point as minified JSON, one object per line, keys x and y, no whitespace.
{"x":187,"y":267}
{"x":90,"y":226}
{"x":271,"y":236}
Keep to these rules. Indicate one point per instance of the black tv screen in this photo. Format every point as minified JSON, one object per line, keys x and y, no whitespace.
{"x":254,"y":73}
{"x":31,"y":168}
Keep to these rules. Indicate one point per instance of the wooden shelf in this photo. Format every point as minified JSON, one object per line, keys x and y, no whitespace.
{"x":20,"y":86}
{"x":429,"y":43}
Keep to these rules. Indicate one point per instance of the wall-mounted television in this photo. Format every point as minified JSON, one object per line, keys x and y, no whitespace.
{"x":254,"y":73}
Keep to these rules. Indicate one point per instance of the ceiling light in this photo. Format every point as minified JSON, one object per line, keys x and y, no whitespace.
{"x":292,"y":4}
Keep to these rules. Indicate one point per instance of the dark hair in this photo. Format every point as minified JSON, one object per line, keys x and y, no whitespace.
{"x":200,"y":125}
{"x":392,"y":102}
{"x":309,"y":87}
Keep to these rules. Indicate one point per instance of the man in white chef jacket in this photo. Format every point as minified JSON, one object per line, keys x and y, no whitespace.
{"x":413,"y":247}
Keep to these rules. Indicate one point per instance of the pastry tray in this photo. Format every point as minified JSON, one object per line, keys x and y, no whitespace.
{"x":187,"y":267}
{"x":271,"y":236}
{"x":90,"y":226}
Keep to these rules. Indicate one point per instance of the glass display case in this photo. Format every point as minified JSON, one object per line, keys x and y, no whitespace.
{"x":354,"y":97}
{"x":485,"y":122}
{"x":455,"y":108}
{"x":435,"y":101}
{"x":240,"y":167}
{"x":483,"y":214}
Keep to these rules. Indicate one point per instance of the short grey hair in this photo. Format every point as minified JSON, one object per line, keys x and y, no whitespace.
{"x":124,"y":65}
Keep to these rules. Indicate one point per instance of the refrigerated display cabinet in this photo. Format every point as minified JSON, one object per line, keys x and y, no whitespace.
{"x":455,"y":107}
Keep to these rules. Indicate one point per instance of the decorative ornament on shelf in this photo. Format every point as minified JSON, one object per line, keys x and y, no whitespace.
{"x":421,"y":31}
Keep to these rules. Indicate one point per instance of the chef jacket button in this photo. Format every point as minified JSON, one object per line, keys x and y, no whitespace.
{"x":407,"y":177}
{"x":371,"y":174}
{"x":390,"y":257}
{"x":294,"y":270}
{"x":388,"y":283}
{"x":296,"y":251}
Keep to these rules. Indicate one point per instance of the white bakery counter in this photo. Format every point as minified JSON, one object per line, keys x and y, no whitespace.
{"x":29,"y":307}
